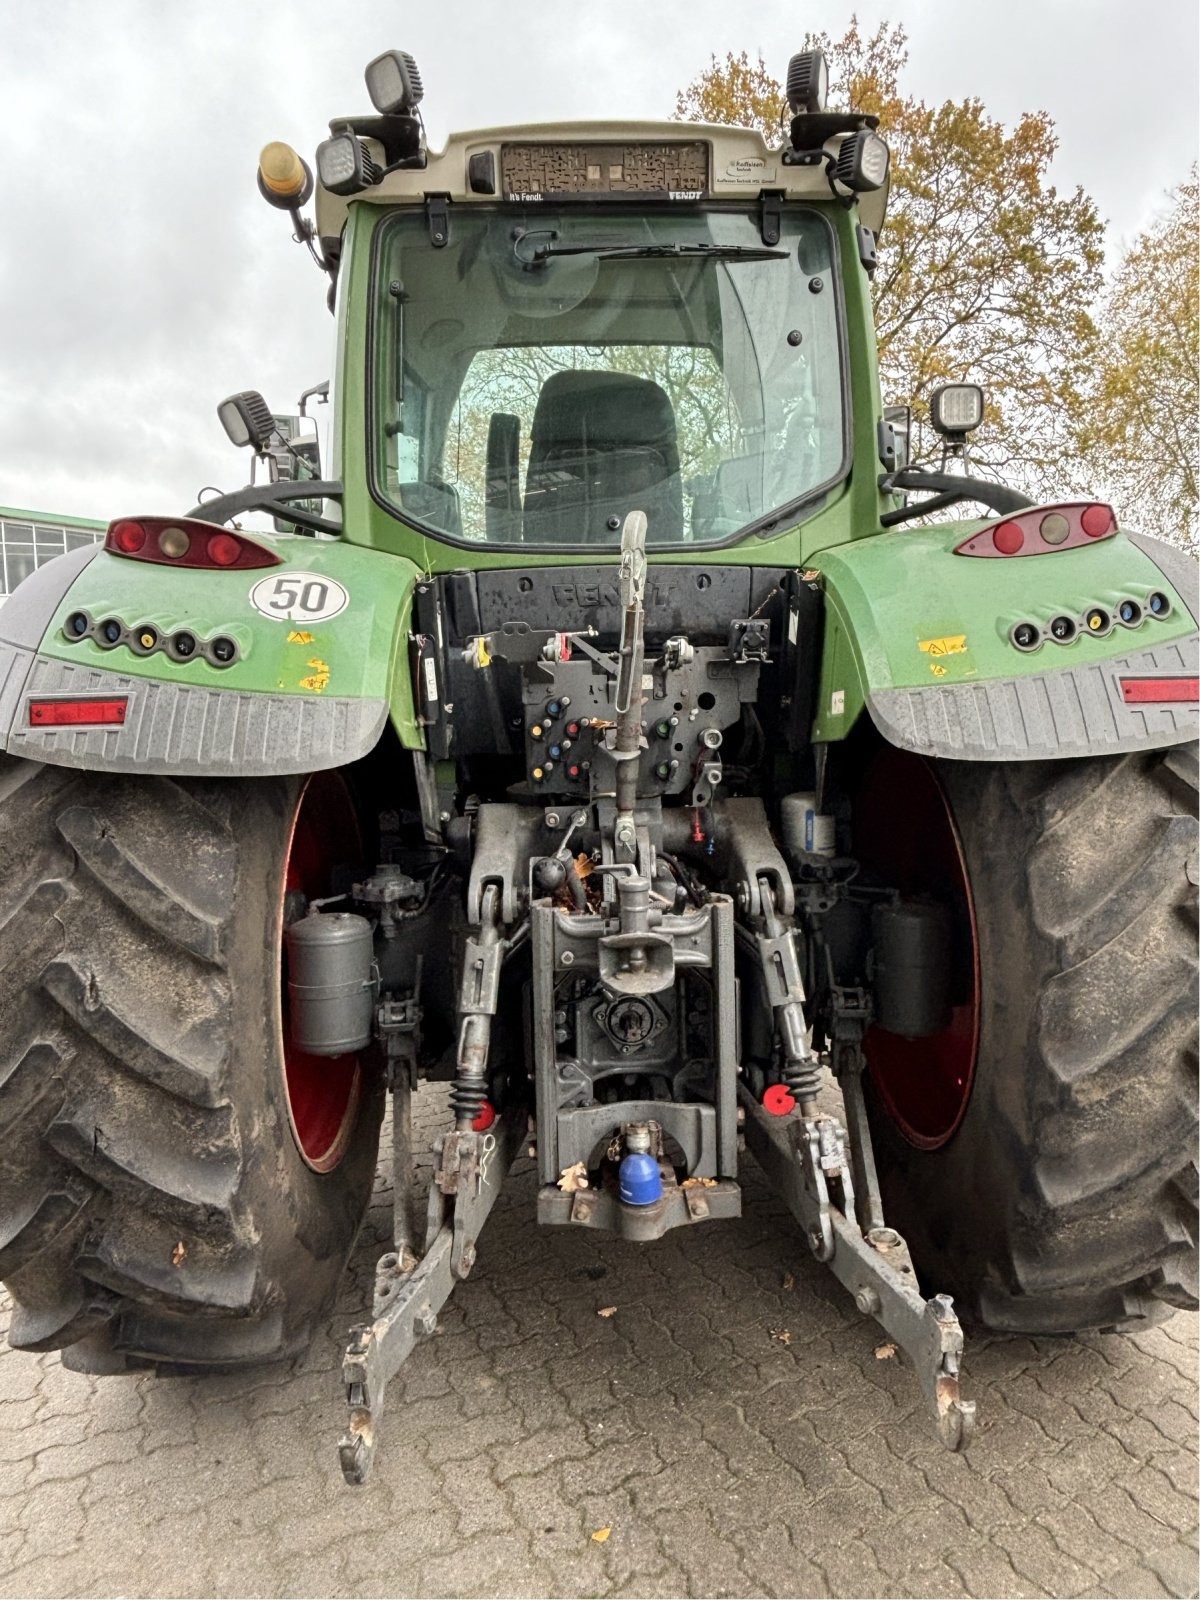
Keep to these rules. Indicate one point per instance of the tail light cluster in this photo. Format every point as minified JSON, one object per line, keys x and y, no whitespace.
{"x":1042,"y":530}
{"x":186,"y":542}
{"x":144,"y":639}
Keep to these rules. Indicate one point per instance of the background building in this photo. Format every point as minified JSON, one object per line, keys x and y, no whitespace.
{"x":28,"y":539}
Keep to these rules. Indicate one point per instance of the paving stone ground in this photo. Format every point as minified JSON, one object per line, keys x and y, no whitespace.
{"x":724,"y":1460}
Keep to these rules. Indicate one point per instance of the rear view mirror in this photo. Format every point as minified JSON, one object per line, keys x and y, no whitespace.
{"x":899,"y":419}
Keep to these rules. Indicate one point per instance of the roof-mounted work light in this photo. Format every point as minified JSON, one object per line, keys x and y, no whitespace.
{"x":956,"y":409}
{"x":862,"y":162}
{"x":394,"y":84}
{"x":344,"y":166}
{"x":807,"y":83}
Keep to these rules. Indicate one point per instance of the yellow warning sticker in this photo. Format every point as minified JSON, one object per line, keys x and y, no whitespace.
{"x":954,"y":646}
{"x":319,"y":678}
{"x":937,"y":669}
{"x":299,"y":638}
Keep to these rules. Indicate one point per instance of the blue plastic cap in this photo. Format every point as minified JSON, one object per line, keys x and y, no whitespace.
{"x":640,"y":1181}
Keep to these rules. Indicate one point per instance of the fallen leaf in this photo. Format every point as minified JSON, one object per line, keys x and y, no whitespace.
{"x":179,"y":1254}
{"x":600,"y":1535}
{"x":788,"y":1281}
{"x":572,"y":1178}
{"x":884,"y":1352}
{"x":698,"y":1183}
{"x":782,"y":1334}
{"x":607,"y":1311}
{"x":584,"y":865}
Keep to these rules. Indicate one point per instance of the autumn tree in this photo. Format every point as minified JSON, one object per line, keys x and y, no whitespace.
{"x":1142,"y":402}
{"x":985,"y":270}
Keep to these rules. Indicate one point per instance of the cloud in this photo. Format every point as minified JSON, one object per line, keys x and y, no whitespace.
{"x":142,"y":278}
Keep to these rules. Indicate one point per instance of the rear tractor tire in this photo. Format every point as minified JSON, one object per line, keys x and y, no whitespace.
{"x":178,"y":1186}
{"x":1040,"y":1155}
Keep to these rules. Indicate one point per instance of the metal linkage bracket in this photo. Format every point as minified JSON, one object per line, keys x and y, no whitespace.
{"x":506,"y":836}
{"x":746,"y":852}
{"x":398,"y":1025}
{"x":851,"y":1016}
{"x":874,"y":1266}
{"x":471,"y":1170}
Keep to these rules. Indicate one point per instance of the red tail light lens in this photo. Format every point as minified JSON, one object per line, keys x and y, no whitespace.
{"x":186,"y":542}
{"x":1041,"y":530}
{"x":127,"y":536}
{"x":224,"y":550}
{"x":76,"y":713}
{"x":1008,"y":538}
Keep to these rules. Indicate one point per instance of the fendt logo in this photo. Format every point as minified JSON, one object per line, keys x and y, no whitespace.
{"x":587,"y":596}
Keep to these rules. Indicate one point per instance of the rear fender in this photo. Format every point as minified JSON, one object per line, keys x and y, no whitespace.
{"x":919,"y":639}
{"x":322,"y":661}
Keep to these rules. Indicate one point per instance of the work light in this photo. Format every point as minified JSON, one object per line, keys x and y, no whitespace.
{"x":956,"y":409}
{"x":343,"y":165}
{"x":807,"y":82}
{"x":862,"y":162}
{"x":247,"y":419}
{"x":394,"y":83}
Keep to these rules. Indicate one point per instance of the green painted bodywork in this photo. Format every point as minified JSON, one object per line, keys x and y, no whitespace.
{"x":903,"y":611}
{"x":363,"y":652}
{"x":886,"y":591}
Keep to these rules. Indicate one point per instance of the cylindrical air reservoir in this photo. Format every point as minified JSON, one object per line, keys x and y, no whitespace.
{"x":807,"y":831}
{"x":331,"y":982}
{"x":912,"y":965}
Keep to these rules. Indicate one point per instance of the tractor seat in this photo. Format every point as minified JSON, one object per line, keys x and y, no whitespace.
{"x":602,"y":444}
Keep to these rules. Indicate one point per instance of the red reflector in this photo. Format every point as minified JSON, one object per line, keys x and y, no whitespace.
{"x":1159,"y":691}
{"x":779,"y":1100}
{"x":485,"y":1117}
{"x":1008,"y":538}
{"x":224,"y":549}
{"x":75,"y":713}
{"x":127,"y":536}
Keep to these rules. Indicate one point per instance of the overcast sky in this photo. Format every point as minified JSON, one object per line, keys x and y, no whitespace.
{"x":142,"y":278}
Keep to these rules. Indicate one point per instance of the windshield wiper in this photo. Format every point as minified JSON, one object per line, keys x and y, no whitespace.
{"x":646,"y":252}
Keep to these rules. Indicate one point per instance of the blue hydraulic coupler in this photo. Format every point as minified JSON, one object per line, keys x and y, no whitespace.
{"x":639,"y":1180}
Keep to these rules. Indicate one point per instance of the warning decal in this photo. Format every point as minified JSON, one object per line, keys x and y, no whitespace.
{"x":955,"y":645}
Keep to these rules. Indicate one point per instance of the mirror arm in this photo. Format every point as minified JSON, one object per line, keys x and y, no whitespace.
{"x":274,"y":497}
{"x":952,"y":488}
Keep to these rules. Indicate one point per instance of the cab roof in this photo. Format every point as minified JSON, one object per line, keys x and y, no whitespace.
{"x":740,"y":166}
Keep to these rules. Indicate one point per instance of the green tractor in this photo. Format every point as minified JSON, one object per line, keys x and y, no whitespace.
{"x":609,"y":733}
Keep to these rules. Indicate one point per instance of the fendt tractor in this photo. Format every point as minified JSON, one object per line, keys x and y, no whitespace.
{"x":612,"y":731}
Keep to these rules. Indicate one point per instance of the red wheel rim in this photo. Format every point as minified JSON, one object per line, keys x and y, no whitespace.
{"x":905,"y":832}
{"x":323,"y":1092}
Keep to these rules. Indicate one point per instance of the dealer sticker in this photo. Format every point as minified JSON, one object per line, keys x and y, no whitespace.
{"x":299,"y":597}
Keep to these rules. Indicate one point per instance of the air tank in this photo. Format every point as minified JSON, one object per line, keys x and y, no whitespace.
{"x":331,"y":982}
{"x":912,"y":965}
